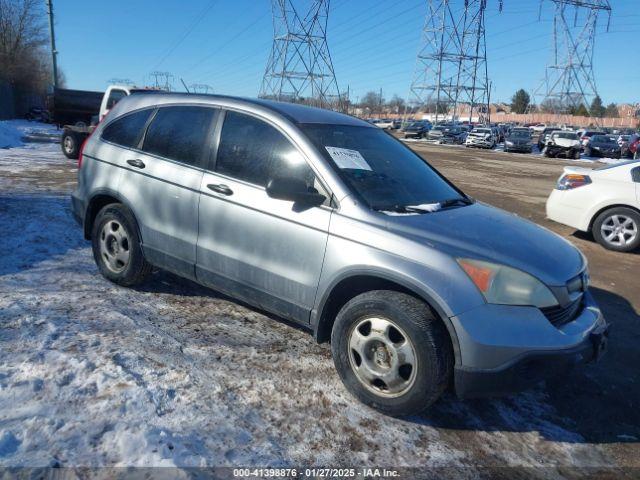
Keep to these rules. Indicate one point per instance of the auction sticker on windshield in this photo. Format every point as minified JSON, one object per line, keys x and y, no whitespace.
{"x":346,"y":158}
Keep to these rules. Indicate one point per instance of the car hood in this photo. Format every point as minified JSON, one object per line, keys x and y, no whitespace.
{"x":483,"y":232}
{"x":519,"y":141}
{"x":566,"y":142}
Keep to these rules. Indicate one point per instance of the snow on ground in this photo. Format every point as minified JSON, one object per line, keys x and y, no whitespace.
{"x":9,"y":135}
{"x":171,"y":373}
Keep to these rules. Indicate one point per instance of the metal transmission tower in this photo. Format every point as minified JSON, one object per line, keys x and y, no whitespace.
{"x":162,"y":80}
{"x":451,"y":67}
{"x":300,"y":67}
{"x":569,"y":80}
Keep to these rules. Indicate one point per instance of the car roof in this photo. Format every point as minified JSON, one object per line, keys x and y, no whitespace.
{"x":294,"y":112}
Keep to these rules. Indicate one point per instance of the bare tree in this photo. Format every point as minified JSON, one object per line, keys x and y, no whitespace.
{"x":23,"y":35}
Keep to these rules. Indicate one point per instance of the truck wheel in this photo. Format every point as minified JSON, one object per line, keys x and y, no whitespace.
{"x":618,"y":229}
{"x":392,"y":352}
{"x":116,"y":246}
{"x":70,"y":145}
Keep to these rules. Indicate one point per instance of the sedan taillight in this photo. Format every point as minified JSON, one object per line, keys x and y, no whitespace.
{"x":573,"y":180}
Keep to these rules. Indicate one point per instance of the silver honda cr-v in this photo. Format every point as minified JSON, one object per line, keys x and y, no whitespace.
{"x":328,"y":221}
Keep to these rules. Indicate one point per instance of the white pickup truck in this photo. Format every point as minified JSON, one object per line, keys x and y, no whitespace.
{"x":73,"y":136}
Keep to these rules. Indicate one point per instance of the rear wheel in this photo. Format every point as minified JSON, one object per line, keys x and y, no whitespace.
{"x":392,"y":352}
{"x":70,"y":145}
{"x":117,"y":247}
{"x":618,"y":229}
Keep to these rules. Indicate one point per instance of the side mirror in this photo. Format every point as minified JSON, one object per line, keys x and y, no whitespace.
{"x":293,"y":190}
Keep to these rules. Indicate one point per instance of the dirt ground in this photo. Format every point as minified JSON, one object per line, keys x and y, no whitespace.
{"x":190,"y":378}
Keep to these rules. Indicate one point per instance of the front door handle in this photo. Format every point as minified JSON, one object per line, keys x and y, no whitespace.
{"x":136,"y":163}
{"x":221,"y":188}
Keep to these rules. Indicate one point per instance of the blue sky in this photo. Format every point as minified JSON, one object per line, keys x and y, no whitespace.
{"x":226,"y":43}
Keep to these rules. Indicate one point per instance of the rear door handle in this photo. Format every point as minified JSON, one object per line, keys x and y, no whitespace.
{"x":136,"y":163}
{"x":220,"y":188}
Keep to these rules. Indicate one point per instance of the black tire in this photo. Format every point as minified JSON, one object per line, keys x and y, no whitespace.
{"x":70,"y":144}
{"x":576,"y":155}
{"x":428,"y":337}
{"x":136,"y":269}
{"x":626,"y":212}
{"x":587,"y":151}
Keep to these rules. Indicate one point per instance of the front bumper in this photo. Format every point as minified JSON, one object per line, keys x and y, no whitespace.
{"x":413,"y":134}
{"x":477,"y":142}
{"x":505,"y":349}
{"x":518,"y":148}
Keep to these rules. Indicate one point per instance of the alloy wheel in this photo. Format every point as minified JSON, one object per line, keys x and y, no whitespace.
{"x":619,"y":230}
{"x":114,"y":246}
{"x":68,"y":144}
{"x":382,"y":356}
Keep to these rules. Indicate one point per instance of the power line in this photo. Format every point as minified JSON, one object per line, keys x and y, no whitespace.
{"x":196,"y":21}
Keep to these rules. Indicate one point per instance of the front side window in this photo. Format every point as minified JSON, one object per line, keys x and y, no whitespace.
{"x":380,"y":169}
{"x":253,"y":151}
{"x":179,"y":133}
{"x":127,"y":130}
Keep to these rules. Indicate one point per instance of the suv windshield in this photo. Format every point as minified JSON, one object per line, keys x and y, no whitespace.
{"x":380,"y":169}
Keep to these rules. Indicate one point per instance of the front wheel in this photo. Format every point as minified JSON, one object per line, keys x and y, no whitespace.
{"x":392,"y":352}
{"x":618,"y":229}
{"x":117,"y":248}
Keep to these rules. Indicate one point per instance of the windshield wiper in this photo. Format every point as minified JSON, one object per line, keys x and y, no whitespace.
{"x":456,"y":201}
{"x":427,"y":207}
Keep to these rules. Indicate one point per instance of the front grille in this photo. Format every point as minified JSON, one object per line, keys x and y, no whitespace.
{"x":560,"y":315}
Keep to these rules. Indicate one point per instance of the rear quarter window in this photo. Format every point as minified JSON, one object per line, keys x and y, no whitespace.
{"x":179,"y":133}
{"x":127,"y":130}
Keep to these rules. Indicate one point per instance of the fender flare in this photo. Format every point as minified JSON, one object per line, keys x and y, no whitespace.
{"x":418,"y":290}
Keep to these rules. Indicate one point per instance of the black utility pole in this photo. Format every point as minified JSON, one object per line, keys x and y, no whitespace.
{"x":54,"y":52}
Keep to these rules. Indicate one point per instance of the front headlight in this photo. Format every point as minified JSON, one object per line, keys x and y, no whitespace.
{"x":507,"y":286}
{"x":510,"y":144}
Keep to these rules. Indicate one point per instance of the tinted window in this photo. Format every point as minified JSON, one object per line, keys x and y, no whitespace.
{"x":254,"y":151}
{"x":179,"y":133}
{"x":127,"y":130}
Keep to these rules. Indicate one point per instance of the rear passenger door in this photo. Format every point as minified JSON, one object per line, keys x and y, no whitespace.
{"x":162,"y":183}
{"x":265,"y":251}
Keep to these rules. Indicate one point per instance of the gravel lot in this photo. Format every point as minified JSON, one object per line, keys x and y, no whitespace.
{"x":173,"y":374}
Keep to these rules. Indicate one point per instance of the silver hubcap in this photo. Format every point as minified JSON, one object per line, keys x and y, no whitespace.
{"x":68,"y":144}
{"x":382,"y":357}
{"x":114,"y":246}
{"x":619,"y":230}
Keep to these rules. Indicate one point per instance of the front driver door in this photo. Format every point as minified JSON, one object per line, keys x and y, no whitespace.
{"x":268,"y":252}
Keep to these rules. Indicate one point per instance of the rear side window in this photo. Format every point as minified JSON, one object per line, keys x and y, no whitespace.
{"x":179,"y":133}
{"x":255,"y":152}
{"x":127,"y":130}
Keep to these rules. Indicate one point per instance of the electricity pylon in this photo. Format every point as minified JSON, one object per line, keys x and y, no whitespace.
{"x":201,"y":88}
{"x":569,"y":79}
{"x":162,"y":80}
{"x":300,"y":67}
{"x":451,"y":66}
